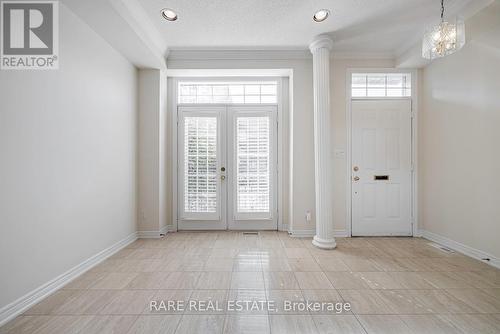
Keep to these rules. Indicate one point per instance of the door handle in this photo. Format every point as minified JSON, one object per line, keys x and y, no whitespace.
{"x":356,"y":178}
{"x":223,"y":170}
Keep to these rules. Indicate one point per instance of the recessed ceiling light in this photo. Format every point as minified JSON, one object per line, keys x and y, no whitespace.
{"x":321,"y":15}
{"x":168,"y":14}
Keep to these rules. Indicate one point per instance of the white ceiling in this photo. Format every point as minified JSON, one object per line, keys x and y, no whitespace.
{"x":364,"y":28}
{"x":369,"y":26}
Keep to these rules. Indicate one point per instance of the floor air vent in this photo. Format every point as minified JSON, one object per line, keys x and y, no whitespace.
{"x":442,"y":248}
{"x":251,"y":233}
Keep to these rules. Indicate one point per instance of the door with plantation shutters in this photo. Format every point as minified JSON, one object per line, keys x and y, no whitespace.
{"x":202,"y":155}
{"x":252,"y":164}
{"x":227,"y":167}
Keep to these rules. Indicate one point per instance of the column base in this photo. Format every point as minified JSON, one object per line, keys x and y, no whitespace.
{"x":324,"y":243}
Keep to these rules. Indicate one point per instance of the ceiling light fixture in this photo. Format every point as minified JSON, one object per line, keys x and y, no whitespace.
{"x":168,"y":14}
{"x":443,"y":39}
{"x":321,"y":15}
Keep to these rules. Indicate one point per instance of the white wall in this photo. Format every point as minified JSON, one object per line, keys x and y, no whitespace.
{"x":68,"y":157}
{"x":300,"y":164}
{"x":460,"y":139}
{"x":152,"y":204}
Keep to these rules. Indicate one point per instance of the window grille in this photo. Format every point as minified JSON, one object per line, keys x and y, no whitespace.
{"x":381,"y":85}
{"x":247,"y":92}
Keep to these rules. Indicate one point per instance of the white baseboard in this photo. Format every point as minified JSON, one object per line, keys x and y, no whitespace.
{"x":311,"y":233}
{"x":340,"y":234}
{"x":302,"y":233}
{"x":20,"y":305}
{"x":283,"y":227}
{"x":461,"y":248}
{"x":171,"y":228}
{"x":150,"y":234}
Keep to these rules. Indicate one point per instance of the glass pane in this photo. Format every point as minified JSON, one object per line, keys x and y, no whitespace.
{"x":252,"y":99}
{"x":188,"y":90}
{"x":268,"y":99}
{"x":359,"y":92}
{"x":204,"y":90}
{"x":187,"y":99}
{"x":236,"y":90}
{"x":358,"y":81}
{"x":204,"y":99}
{"x":395,"y":92}
{"x":268,"y":89}
{"x":220,"y":90}
{"x":221,"y":99}
{"x":376,"y":92}
{"x":252,"y":162}
{"x":200,"y":164}
{"x":252,"y":89}
{"x":237,"y":99}
{"x":394,"y":81}
{"x":376,"y":81}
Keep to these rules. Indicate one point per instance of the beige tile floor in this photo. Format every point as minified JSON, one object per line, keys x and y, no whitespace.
{"x":394,"y":285}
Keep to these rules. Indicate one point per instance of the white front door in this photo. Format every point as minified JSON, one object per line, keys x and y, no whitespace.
{"x":381,"y":167}
{"x":227,"y":167}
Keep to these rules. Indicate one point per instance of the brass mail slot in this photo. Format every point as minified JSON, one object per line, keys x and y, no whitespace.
{"x":381,"y":177}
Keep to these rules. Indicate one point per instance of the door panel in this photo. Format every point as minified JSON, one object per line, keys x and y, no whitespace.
{"x":381,"y":151}
{"x":201,"y":156}
{"x":251,"y":158}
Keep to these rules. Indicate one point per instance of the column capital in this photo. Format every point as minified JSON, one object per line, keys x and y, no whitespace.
{"x":320,"y":42}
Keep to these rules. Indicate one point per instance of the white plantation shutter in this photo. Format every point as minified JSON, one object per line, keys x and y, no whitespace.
{"x":253,"y":154}
{"x":200,"y":164}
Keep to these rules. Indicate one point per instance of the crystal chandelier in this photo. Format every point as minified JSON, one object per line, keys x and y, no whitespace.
{"x":443,"y":39}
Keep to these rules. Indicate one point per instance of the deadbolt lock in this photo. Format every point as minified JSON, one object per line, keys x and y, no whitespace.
{"x":223,"y":169}
{"x":356,"y":168}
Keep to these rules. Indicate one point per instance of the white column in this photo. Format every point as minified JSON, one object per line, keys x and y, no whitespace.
{"x":320,"y":49}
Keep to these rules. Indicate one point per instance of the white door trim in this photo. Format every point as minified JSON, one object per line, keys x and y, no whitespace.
{"x":414,"y":141}
{"x":282,"y":96}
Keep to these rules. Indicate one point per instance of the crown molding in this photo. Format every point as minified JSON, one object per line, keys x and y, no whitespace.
{"x":248,"y":54}
{"x":234,"y":54}
{"x":362,"y":55}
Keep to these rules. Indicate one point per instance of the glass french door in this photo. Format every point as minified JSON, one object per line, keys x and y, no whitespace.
{"x":227,"y":167}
